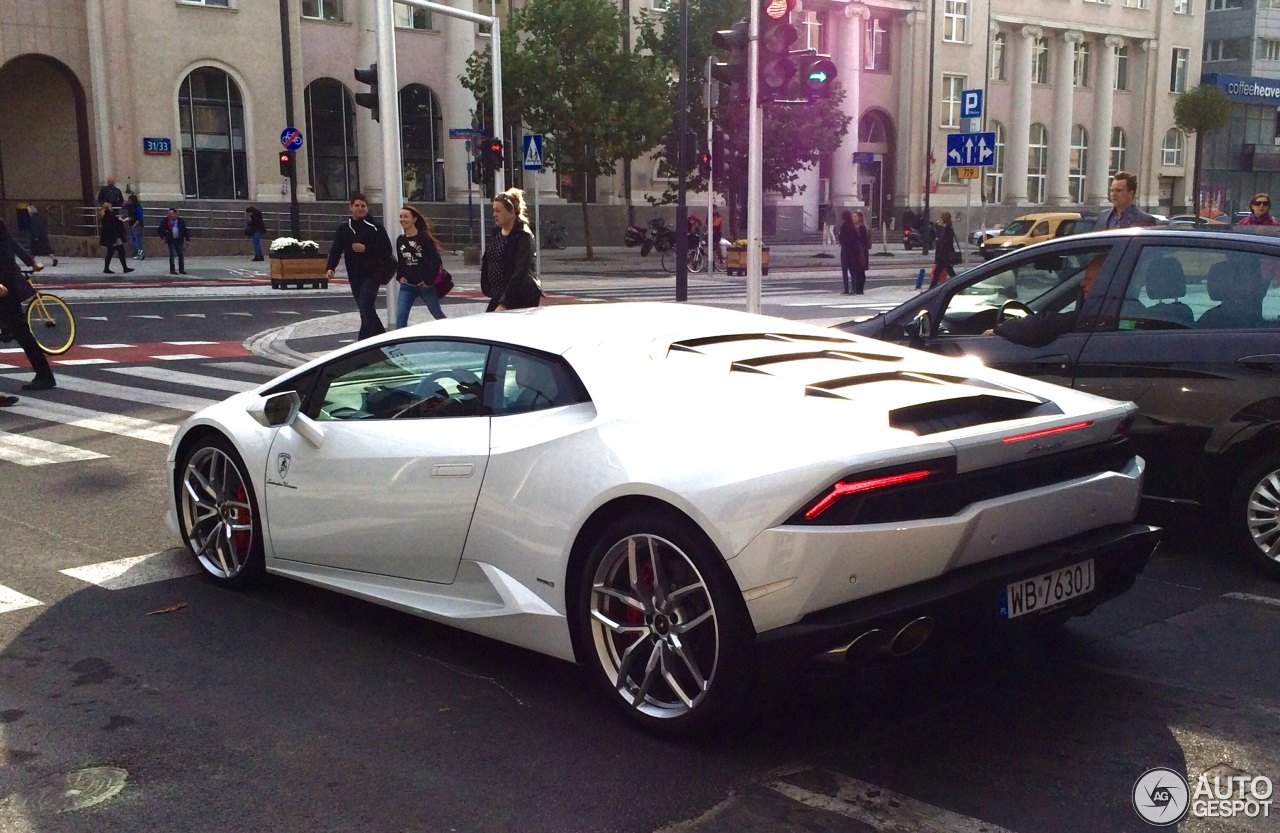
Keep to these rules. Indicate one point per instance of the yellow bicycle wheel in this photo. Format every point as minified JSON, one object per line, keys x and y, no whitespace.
{"x":52,"y":323}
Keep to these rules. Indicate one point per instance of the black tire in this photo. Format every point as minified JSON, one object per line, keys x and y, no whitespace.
{"x":646,"y":247}
{"x":211,"y":475}
{"x":1253,"y":514}
{"x":655,"y":659}
{"x":557,"y":239}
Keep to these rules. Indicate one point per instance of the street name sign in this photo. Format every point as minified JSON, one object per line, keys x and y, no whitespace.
{"x":964,"y":149}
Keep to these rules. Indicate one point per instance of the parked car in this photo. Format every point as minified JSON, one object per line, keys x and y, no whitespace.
{"x":581,"y":481}
{"x":1027,"y":229}
{"x":980,"y":235}
{"x":1189,"y":220}
{"x":1183,"y":322}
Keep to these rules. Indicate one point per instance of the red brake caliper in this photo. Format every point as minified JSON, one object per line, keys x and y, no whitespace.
{"x":243,"y":537}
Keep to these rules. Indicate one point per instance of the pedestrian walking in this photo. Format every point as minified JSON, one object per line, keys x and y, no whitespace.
{"x":828,"y":226}
{"x":507,"y":273}
{"x":1259,"y":212}
{"x":173,"y":231}
{"x":1123,"y":213}
{"x":849,"y":254}
{"x":362,"y":244}
{"x":111,"y":234}
{"x":38,"y":232}
{"x":418,"y":266}
{"x":946,"y":253}
{"x":133,"y":218}
{"x":254,"y":228}
{"x":14,"y":289}
{"x":863,"y":261}
{"x":110,"y":194}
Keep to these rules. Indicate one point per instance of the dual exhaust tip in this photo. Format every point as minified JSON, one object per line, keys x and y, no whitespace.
{"x":910,"y":637}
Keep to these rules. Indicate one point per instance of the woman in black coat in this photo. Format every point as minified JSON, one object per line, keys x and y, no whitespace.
{"x":39,"y":233}
{"x":507,"y":273}
{"x":111,"y":234}
{"x":946,"y":251}
{"x":850,"y":252}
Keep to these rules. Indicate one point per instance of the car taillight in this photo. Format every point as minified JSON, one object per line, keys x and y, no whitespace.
{"x":853,"y":487}
{"x":1061,"y":429}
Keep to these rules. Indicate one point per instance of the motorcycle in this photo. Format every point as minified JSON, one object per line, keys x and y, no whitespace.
{"x":657,"y":235}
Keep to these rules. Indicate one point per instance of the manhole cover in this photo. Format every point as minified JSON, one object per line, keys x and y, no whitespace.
{"x":77,"y":790}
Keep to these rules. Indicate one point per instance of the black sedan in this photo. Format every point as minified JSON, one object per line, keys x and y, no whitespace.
{"x":1183,"y":322}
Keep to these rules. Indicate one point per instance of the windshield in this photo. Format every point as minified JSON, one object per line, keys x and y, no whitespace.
{"x":1017,"y":228}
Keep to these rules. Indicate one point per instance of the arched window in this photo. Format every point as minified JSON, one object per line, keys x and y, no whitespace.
{"x":1117,"y":151}
{"x":422,"y":144}
{"x":1174,"y":142}
{"x":995,"y":171}
{"x":1078,"y":163}
{"x":873,"y":128}
{"x":1037,"y":162}
{"x":211,"y":120}
{"x":332,"y":159}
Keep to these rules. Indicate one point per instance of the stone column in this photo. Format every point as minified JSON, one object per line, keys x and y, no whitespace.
{"x":1063,"y":119}
{"x":910,"y":141}
{"x":457,"y":102}
{"x":844,"y":174}
{"x":98,"y":79}
{"x":1097,"y":184}
{"x":1015,"y":149}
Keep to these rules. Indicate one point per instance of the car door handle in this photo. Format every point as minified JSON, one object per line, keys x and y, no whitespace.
{"x":453,"y":470}
{"x":1264,"y":362}
{"x":1054,"y":362}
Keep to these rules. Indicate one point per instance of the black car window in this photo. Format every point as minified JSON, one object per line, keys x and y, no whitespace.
{"x":1041,"y":228}
{"x":522,"y":381}
{"x":402,"y":380}
{"x":1198,"y":287}
{"x":1017,"y":228}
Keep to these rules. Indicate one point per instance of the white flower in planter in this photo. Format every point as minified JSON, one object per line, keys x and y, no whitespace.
{"x":292,"y":246}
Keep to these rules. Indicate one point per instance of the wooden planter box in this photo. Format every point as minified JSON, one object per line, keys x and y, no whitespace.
{"x":299,"y":272}
{"x":735,"y":262}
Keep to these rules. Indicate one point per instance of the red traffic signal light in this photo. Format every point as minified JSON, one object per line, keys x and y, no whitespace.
{"x":776,"y":36}
{"x":778,"y":9}
{"x":286,"y":163}
{"x":493,"y":153}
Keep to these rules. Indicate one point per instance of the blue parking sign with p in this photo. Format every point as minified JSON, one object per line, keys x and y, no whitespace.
{"x":970,"y":104}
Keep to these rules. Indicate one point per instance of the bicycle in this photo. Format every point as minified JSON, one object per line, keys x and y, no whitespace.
{"x":553,"y":237}
{"x":696,"y":258}
{"x":50,"y":320}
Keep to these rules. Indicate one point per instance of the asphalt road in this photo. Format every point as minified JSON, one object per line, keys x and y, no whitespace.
{"x":291,"y":708}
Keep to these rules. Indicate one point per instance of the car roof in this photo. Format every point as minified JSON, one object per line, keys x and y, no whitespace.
{"x":1269,"y":235}
{"x":1051,"y":215}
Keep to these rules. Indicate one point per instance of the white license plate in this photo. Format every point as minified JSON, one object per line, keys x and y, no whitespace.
{"x":1032,"y":595}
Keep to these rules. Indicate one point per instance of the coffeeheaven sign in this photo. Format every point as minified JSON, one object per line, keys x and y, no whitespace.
{"x":1245,"y":89}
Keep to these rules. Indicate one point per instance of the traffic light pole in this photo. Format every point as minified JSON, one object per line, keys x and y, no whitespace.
{"x":295,"y":221}
{"x":392,"y":164}
{"x":683,"y":160}
{"x":755,"y":160}
{"x":713,"y":244}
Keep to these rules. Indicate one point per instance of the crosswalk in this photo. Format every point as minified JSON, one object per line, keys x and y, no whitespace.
{"x":117,"y":574}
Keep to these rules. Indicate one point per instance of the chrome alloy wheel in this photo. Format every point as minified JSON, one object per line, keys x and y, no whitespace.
{"x":654,"y":626}
{"x":216,"y":514}
{"x":1263,"y":515}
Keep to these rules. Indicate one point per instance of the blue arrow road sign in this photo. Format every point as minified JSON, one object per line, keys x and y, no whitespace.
{"x":970,"y":104}
{"x":291,"y":138}
{"x":965,"y":149}
{"x":533,"y":151}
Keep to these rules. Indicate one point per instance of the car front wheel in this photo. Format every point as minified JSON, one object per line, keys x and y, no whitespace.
{"x":1253,"y":515}
{"x":664,"y":625}
{"x":218,"y":513}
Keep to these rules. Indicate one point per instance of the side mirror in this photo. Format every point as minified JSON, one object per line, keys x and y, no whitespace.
{"x":277,"y":409}
{"x":920,"y":329}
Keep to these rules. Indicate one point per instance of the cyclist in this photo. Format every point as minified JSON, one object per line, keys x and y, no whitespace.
{"x":14,"y":289}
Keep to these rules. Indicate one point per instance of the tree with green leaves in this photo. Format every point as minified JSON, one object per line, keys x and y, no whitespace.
{"x":1201,"y":110}
{"x":565,"y":74}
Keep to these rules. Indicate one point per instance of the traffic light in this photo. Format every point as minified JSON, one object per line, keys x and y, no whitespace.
{"x":369,"y":76}
{"x":671,"y":147}
{"x":477,"y":161}
{"x":493,"y":154}
{"x":817,"y":73}
{"x":705,"y":164}
{"x":776,"y":36}
{"x":734,"y":72}
{"x":286,"y":163}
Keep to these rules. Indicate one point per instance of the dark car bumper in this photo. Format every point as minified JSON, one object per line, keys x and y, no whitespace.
{"x":969,"y":599}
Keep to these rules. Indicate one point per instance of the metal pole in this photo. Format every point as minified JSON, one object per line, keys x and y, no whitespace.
{"x":537,"y":226}
{"x":713,"y":245}
{"x":682,"y":160}
{"x":928,"y":143}
{"x":295,"y":220}
{"x":389,"y":110}
{"x":499,"y":180}
{"x":755,"y":159}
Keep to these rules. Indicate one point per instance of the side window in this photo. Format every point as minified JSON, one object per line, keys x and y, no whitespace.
{"x":1183,"y":287}
{"x":402,"y":380}
{"x":524,"y":382}
{"x":1041,"y":229}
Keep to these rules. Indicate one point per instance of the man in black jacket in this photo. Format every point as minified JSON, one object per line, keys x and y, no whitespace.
{"x":110,"y":193}
{"x":173,"y":231}
{"x":363,"y":245}
{"x":13,"y":286}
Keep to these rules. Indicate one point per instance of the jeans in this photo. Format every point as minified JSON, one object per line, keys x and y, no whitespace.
{"x":408,"y":294}
{"x":847,"y":270}
{"x":135,"y":236}
{"x":175,"y":248}
{"x":365,"y":291}
{"x":257,"y":244}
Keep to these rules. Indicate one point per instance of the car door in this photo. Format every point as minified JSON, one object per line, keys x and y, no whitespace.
{"x":1046,"y":282}
{"x":391,"y":487}
{"x":1193,"y":338}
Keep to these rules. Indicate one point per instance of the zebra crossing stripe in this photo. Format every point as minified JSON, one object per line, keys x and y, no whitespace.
{"x":269,"y":370}
{"x":118,"y":424}
{"x":137,"y":570}
{"x":196,"y":380}
{"x":143,"y":396}
{"x":30,"y":451}
{"x":13,"y":600}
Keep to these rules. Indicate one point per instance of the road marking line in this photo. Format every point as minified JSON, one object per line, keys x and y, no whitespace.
{"x":118,"y":424}
{"x":10,"y":349}
{"x":103,"y":346}
{"x":187,"y":343}
{"x":331,"y":311}
{"x":29,"y":451}
{"x":250,"y":367}
{"x":191,"y":315}
{"x":884,"y":809}
{"x":197,"y":380}
{"x":93,"y":318}
{"x":244,"y":314}
{"x":8,"y":367}
{"x":137,"y":570}
{"x":11,"y":600}
{"x":143,"y":396}
{"x":287,"y":312}
{"x":182,"y":357}
{"x":84,"y":361}
{"x":1249,"y":597}
{"x":154,"y":317}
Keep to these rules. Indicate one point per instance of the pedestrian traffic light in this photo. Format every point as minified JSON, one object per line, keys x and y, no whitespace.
{"x":477,"y":171}
{"x":704,"y":164}
{"x":734,"y":72}
{"x":817,"y":73}
{"x":776,"y":36}
{"x":368,"y":75}
{"x":493,"y":154}
{"x":286,"y":163}
{"x":671,"y":147}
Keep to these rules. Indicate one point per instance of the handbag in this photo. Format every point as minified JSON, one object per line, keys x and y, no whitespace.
{"x":956,"y":258}
{"x":444,"y":282}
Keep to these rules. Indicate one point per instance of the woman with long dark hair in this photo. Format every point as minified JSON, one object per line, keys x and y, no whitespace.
{"x":944,"y":255}
{"x":111,"y":234}
{"x":417,"y":265}
{"x":508,"y":276}
{"x":849,"y":255}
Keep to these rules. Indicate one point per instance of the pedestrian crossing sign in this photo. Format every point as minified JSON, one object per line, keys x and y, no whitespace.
{"x":533,"y":151}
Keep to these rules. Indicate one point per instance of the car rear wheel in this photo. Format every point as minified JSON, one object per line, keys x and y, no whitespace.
{"x":218,"y":513}
{"x":664,"y":625}
{"x":1253,"y":515}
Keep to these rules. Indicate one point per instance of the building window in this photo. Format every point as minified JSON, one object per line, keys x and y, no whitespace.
{"x":995,"y":171}
{"x":1268,"y":50}
{"x":1174,"y":142}
{"x":809,"y":28}
{"x":1117,"y":151}
{"x":332,"y":160}
{"x":1232,"y":49}
{"x":422,"y":144}
{"x":875,"y":52}
{"x":661,"y":5}
{"x":1122,"y":68}
{"x":1184,"y":6}
{"x":952,"y":87}
{"x":873,"y":129}
{"x":411,"y":17}
{"x":1262,"y":4}
{"x":224,"y":4}
{"x":1078,"y":163}
{"x":1080,"y":66}
{"x":1223,"y":5}
{"x":211,"y":119}
{"x":1178,"y":71}
{"x":1135,"y":4}
{"x":1040,"y":61}
{"x":955,"y":21}
{"x":1037,"y":162}
{"x":322,"y":9}
{"x":483,"y":30}
{"x":998,"y":51}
